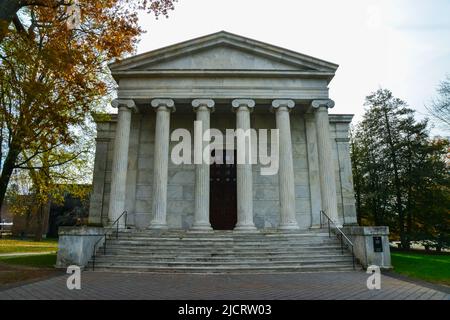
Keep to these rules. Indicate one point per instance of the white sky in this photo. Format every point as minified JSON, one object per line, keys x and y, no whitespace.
{"x":403,"y":45}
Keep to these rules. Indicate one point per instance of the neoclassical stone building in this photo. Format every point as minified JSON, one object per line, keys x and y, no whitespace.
{"x":225,"y":81}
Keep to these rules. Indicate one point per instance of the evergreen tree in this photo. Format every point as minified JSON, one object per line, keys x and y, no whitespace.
{"x":397,"y":169}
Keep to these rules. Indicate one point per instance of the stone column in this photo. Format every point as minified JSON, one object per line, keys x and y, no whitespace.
{"x":286,"y":180}
{"x":326,"y":165}
{"x":244,"y":176}
{"x":120,"y":160}
{"x":163,"y":108}
{"x":203,"y":108}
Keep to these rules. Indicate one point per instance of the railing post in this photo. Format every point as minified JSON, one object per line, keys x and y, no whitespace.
{"x":353,"y":255}
{"x":329,"y":229}
{"x":320,"y":219}
{"x":340,"y":235}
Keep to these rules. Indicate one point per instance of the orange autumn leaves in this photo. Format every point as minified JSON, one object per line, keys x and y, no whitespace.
{"x":52,"y":75}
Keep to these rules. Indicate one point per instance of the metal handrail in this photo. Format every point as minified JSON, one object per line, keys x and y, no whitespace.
{"x":340,"y":236}
{"x":104,"y":237}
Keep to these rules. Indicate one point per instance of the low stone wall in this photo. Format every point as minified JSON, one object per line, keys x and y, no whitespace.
{"x":76,"y":245}
{"x":371,"y":245}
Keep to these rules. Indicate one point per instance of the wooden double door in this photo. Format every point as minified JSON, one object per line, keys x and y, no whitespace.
{"x":223,"y":190}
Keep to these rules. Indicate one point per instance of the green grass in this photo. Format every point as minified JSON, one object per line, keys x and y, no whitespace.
{"x":429,"y":267}
{"x":37,"y":261}
{"x":17,"y":246}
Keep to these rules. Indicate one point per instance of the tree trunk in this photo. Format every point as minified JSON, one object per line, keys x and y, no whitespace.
{"x":8,"y":10}
{"x":409,"y":232}
{"x":39,"y":223}
{"x":8,"y":168}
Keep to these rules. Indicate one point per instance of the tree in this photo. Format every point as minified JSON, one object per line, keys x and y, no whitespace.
{"x":440,"y":106}
{"x":53,"y":74}
{"x":396,"y":167}
{"x":101,"y":12}
{"x":49,"y":177}
{"x":431,"y":210}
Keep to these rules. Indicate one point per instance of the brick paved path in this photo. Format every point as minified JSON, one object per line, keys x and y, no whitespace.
{"x":332,"y":285}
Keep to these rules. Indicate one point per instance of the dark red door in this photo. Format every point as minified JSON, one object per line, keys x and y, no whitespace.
{"x":223,"y":202}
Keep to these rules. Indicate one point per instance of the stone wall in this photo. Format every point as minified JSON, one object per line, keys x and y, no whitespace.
{"x":339,"y":129}
{"x":76,"y":245}
{"x":364,"y":246}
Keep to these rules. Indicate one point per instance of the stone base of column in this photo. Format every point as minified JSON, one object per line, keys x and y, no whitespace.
{"x":196,"y":228}
{"x":158,"y":225}
{"x":245,"y":228}
{"x":288,"y":226}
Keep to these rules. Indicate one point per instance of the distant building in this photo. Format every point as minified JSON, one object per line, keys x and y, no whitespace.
{"x":72,"y":212}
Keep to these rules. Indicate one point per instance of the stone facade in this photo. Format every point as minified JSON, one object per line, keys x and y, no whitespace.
{"x":222,"y":68}
{"x":181,"y":178}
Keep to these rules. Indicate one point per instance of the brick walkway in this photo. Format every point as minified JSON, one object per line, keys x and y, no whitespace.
{"x":332,"y":285}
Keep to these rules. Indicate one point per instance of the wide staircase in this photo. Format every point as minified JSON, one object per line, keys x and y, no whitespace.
{"x":177,"y":251}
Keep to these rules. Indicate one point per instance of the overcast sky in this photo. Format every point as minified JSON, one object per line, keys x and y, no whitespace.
{"x":403,"y":45}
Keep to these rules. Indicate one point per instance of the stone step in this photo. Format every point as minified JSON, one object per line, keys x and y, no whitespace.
{"x":223,"y":252}
{"x":241,"y":255}
{"x":223,"y":232}
{"x":222,"y":265}
{"x":217,"y":244}
{"x":225,"y":257}
{"x":147,"y":247}
{"x":212,"y":262}
{"x":224,"y":240}
{"x":224,"y":236}
{"x":239,"y":269}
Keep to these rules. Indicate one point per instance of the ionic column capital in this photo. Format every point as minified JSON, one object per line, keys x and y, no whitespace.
{"x":124,"y":103}
{"x":168,"y":104}
{"x":286,"y":105}
{"x":328,"y":103}
{"x":246,"y":103}
{"x":199,"y":104}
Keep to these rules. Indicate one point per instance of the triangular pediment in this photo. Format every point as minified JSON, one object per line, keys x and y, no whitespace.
{"x":223,"y":51}
{"x":219,"y":57}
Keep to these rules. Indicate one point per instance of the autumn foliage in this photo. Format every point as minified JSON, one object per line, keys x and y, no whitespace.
{"x":53,"y":74}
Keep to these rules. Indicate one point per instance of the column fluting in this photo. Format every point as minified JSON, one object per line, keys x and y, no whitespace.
{"x":120,"y":160}
{"x":163,"y":108}
{"x":286,"y":180}
{"x":326,"y":165}
{"x":203,"y":109}
{"x":244,"y":175}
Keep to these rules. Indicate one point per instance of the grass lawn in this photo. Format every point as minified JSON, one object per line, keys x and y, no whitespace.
{"x":36,"y":261}
{"x":17,"y":246}
{"x":429,"y":267}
